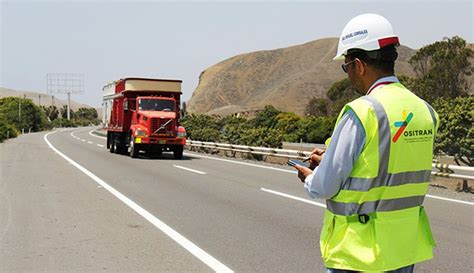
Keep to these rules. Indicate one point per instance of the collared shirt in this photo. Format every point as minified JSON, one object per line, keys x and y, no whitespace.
{"x":382,"y":80}
{"x":347,"y":142}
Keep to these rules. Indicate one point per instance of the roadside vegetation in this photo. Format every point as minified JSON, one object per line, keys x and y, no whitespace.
{"x":19,"y":115}
{"x":441,"y":79}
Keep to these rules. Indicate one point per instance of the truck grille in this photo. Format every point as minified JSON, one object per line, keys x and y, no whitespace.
{"x":157,"y":123}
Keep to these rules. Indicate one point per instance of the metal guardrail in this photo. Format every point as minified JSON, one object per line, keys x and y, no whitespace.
{"x":441,"y":170}
{"x":249,"y":149}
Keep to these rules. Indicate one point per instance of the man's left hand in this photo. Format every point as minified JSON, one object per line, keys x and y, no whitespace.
{"x":303,"y":172}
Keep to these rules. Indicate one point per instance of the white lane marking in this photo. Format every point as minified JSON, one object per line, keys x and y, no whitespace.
{"x":90,"y":142}
{"x":283,"y":170}
{"x":294,"y":197}
{"x":75,"y":137}
{"x":100,"y":145}
{"x":188,"y":169}
{"x":449,"y":199}
{"x":243,"y":163}
{"x":83,"y":140}
{"x":90,"y":133}
{"x":180,"y":239}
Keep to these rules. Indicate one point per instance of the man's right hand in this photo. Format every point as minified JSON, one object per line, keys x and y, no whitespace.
{"x":315,"y":157}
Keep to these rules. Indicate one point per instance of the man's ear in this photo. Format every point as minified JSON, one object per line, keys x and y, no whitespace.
{"x":361,"y":67}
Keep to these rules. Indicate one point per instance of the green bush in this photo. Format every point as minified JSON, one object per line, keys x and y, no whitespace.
{"x":263,"y":137}
{"x":6,"y":130}
{"x":206,"y":134}
{"x":58,"y":123}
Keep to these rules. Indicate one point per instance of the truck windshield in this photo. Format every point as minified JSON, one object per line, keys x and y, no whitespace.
{"x":155,"y":105}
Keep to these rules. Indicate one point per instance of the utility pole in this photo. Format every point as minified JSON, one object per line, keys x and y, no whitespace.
{"x":68,"y":105}
{"x":19,"y":111}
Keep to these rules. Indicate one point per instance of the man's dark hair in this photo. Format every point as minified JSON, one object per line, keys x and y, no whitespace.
{"x":382,"y":59}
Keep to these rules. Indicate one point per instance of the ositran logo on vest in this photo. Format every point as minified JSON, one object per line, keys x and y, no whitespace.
{"x":417,"y":135}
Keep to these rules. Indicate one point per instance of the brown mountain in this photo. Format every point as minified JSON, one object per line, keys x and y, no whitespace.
{"x":285,"y":78}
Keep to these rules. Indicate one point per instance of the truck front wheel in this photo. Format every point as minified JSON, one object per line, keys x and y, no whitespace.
{"x":178,"y":152}
{"x":133,"y":148}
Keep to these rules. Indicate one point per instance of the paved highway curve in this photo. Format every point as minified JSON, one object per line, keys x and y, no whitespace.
{"x":67,"y":204}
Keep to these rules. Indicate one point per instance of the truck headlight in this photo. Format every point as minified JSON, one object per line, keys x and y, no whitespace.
{"x":140,"y":133}
{"x":181,"y":132}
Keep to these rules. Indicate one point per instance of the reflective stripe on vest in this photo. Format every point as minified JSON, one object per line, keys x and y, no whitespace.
{"x":395,"y":184}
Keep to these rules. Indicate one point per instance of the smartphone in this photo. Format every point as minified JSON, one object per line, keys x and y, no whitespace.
{"x":293,"y":162}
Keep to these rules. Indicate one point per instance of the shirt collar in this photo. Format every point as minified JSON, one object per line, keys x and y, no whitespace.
{"x":383,"y":79}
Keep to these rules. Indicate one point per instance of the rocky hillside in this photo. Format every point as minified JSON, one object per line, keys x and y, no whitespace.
{"x":285,"y":78}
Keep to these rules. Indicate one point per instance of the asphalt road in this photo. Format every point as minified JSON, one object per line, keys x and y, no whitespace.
{"x":83,"y":209}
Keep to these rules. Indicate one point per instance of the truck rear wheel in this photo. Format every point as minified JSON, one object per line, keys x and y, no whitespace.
{"x":133,"y":148}
{"x":112,"y":145}
{"x":178,"y":152}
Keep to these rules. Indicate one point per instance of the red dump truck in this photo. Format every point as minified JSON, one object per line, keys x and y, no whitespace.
{"x":143,"y":115}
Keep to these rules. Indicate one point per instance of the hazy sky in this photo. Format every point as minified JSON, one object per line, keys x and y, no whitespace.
{"x":108,"y":40}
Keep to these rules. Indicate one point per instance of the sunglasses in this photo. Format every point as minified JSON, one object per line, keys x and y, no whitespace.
{"x":345,"y":66}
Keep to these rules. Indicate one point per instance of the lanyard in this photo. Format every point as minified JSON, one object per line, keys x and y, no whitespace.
{"x":377,"y":85}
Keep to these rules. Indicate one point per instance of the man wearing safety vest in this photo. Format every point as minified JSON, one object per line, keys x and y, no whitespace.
{"x":376,"y":169}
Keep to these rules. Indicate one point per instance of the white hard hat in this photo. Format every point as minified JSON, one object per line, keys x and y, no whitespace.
{"x":367,"y":32}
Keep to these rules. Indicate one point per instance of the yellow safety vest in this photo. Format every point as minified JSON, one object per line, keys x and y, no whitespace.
{"x":376,"y":221}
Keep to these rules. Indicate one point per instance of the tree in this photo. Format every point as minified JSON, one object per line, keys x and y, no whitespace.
{"x":86,"y":113}
{"x":267,"y":117}
{"x":442,"y":68}
{"x":340,"y":93}
{"x":63,"y":112}
{"x":318,"y":107}
{"x":184,"y":110}
{"x":23,"y":114}
{"x":51,"y":112}
{"x":317,"y":129}
{"x":456,"y":133}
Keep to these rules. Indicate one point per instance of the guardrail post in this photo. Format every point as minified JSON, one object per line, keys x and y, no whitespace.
{"x":8,"y":134}
{"x":465,"y":186}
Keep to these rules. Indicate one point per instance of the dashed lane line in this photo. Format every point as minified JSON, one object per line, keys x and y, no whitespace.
{"x":449,"y":199}
{"x":293,"y":197}
{"x":189,"y":169}
{"x":243,"y":163}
